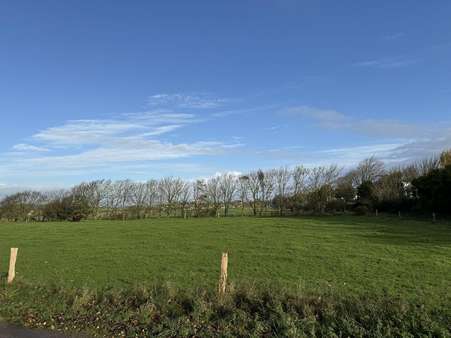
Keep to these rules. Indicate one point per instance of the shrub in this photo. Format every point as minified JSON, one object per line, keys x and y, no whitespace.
{"x":434,"y":190}
{"x":336,"y":205}
{"x":366,"y":193}
{"x":70,"y":208}
{"x":361,"y":209}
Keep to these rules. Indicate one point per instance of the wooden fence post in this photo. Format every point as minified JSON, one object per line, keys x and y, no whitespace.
{"x":377,"y":212}
{"x":223,"y":275}
{"x":434,"y":217}
{"x":12,"y":265}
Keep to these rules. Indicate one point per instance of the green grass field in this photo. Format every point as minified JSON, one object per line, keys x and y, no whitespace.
{"x":344,"y":254}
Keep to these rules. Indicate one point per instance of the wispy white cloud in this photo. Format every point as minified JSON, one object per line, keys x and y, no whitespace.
{"x":162,"y":130}
{"x":392,"y":153}
{"x":273,"y":128}
{"x":332,"y":119}
{"x":245,"y":111}
{"x":405,"y":141}
{"x":162,"y":116}
{"x":84,"y":132}
{"x":198,"y":101}
{"x":394,"y":36}
{"x":121,"y":151}
{"x":350,"y":156}
{"x":145,"y":143}
{"x":327,"y":118}
{"x":84,"y":145}
{"x":387,"y":63}
{"x":421,"y":148}
{"x":24,"y":147}
{"x":346,"y":157}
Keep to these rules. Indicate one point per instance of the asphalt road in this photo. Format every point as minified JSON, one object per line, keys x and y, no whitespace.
{"x":9,"y":331}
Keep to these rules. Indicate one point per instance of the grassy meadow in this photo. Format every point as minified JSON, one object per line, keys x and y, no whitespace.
{"x":343,"y":276}
{"x":352,"y":254}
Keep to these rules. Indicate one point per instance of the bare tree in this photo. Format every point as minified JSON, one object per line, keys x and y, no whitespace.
{"x":244,"y":191}
{"x":151,"y":194}
{"x":300,"y":175}
{"x":419,"y":168}
{"x":111,"y":200}
{"x":200,"y":197}
{"x":266,"y":182}
{"x":312,"y":189}
{"x":170,"y":189}
{"x":185,"y":197}
{"x":125,"y":189}
{"x":93,"y":193}
{"x":344,"y":188}
{"x":426,"y":165}
{"x":282,"y":180}
{"x":445,"y":158}
{"x":321,"y":176}
{"x":213,"y":193}
{"x":321,"y":186}
{"x":368,"y":170}
{"x":390,"y":187}
{"x":138,"y":197}
{"x":253,"y":184}
{"x":123,"y":192}
{"x":21,"y":205}
{"x":228,"y":186}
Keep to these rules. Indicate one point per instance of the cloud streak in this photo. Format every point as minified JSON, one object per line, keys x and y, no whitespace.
{"x":394,"y":36}
{"x":92,"y":144}
{"x":332,"y":119}
{"x":24,"y":147}
{"x":85,"y":132}
{"x":185,"y":101}
{"x":122,"y":151}
{"x":343,"y":156}
{"x":406,"y":142}
{"x":386,"y":63}
{"x":140,"y":143}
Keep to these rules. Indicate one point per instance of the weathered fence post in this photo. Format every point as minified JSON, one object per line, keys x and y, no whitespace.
{"x":399,"y":214}
{"x":12,"y":265}
{"x":434,"y":217}
{"x":377,"y":212}
{"x":223,"y":275}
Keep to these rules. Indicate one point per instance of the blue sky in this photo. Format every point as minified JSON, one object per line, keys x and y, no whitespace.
{"x":142,"y":89}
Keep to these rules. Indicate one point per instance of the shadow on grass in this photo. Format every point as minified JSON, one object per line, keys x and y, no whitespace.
{"x":386,"y":229}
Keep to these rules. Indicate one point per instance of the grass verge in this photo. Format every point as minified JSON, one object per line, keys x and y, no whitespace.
{"x":162,"y":310}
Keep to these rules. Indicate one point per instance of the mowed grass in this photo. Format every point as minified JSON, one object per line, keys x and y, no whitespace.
{"x":353,"y":254}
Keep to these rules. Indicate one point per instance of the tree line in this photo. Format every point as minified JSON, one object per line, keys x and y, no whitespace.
{"x":423,"y":186}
